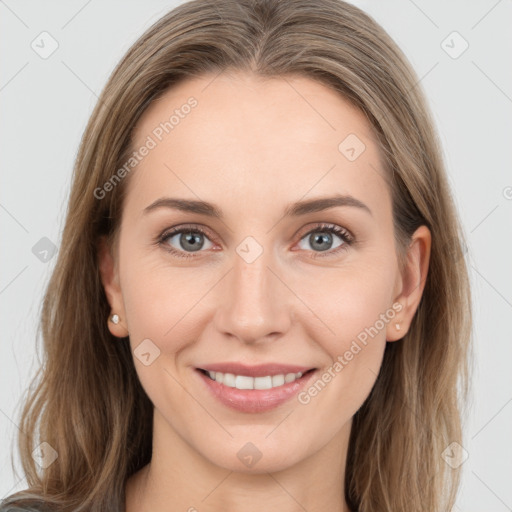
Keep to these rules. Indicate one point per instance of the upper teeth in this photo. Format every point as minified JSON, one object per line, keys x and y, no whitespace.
{"x":244,"y":382}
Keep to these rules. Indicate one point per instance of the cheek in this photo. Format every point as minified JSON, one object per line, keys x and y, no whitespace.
{"x":350,"y":301}
{"x":159,"y":299}
{"x":355,"y":351}
{"x":352,"y":310}
{"x":159,"y":303}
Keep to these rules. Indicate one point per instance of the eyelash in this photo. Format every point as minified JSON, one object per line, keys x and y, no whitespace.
{"x":347,"y":238}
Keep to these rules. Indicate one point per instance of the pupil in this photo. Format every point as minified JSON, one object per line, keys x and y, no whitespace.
{"x":325,"y":237}
{"x":189,"y":238}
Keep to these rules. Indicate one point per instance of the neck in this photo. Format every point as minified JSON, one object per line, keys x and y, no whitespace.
{"x":195,"y":483}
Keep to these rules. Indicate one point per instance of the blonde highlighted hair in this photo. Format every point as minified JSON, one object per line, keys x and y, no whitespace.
{"x":86,"y":400}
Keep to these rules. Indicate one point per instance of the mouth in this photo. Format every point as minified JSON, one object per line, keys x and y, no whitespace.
{"x":232,"y":380}
{"x":254,"y":394}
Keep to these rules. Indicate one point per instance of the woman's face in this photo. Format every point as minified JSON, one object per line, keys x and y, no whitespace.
{"x":265,"y":281}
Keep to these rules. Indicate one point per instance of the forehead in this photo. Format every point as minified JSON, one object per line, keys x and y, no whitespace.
{"x":248,"y":137}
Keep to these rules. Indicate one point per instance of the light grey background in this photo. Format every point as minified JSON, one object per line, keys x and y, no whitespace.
{"x":45,"y":106}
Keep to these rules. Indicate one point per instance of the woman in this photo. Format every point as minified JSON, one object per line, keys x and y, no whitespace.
{"x":204,"y":349}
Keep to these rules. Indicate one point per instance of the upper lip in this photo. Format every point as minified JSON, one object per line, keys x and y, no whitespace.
{"x":259,"y":370}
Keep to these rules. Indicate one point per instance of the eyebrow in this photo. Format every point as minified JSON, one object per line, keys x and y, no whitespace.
{"x":292,"y":210}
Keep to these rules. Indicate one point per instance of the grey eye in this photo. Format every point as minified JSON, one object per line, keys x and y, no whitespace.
{"x":188,"y":241}
{"x":320,"y":240}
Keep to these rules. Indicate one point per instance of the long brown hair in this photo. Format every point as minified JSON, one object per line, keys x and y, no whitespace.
{"x":86,"y":401}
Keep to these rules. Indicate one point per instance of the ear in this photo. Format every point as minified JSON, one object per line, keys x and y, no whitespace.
{"x":110,"y":281}
{"x":411,"y":283}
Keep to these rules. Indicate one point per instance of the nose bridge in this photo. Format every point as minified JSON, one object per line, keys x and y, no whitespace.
{"x":252,"y":305}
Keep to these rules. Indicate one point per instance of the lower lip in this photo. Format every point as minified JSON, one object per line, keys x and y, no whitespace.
{"x":255,"y":400}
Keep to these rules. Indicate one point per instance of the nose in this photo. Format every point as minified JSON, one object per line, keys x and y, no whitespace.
{"x":254,"y":304}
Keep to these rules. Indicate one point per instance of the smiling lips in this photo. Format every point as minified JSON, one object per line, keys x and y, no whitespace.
{"x":246,"y":382}
{"x":264,"y":376}
{"x":254,"y":388}
{"x":260,"y":370}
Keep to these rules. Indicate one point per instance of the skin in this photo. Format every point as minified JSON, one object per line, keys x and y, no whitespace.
{"x":252,"y":147}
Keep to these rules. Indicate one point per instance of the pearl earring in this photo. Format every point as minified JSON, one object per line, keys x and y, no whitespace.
{"x":114,"y":319}
{"x":397,"y":327}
